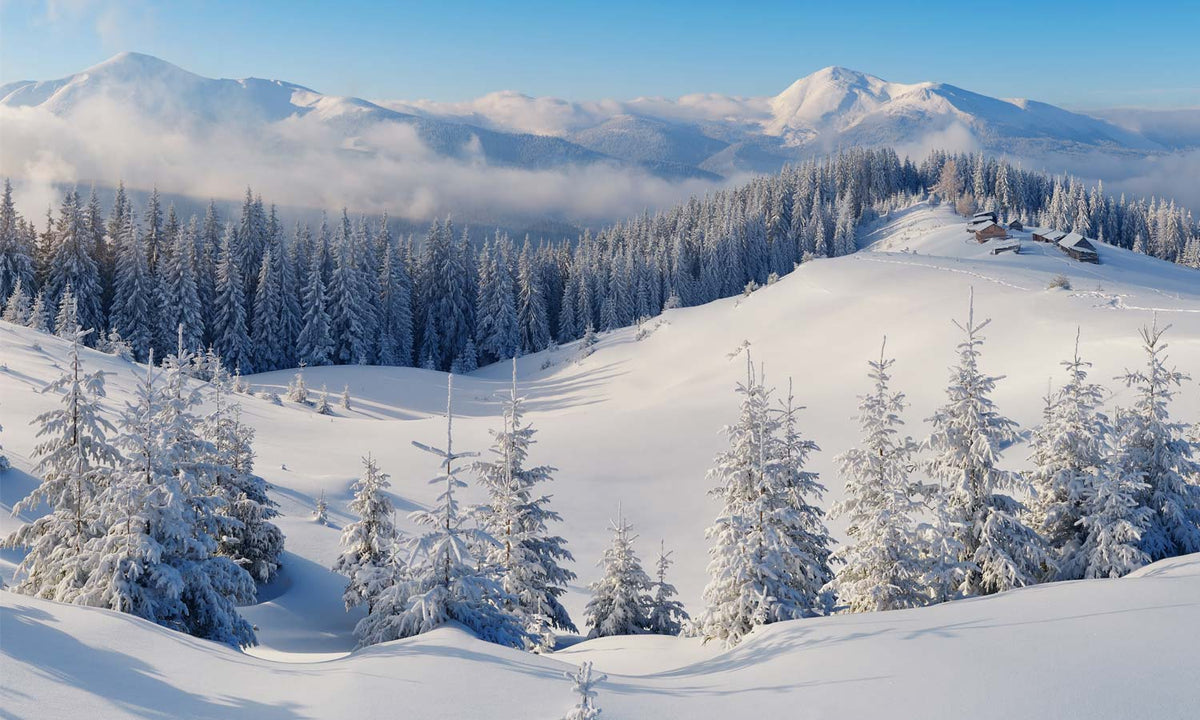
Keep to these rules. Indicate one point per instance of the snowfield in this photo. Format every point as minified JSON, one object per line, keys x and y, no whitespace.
{"x":637,"y":424}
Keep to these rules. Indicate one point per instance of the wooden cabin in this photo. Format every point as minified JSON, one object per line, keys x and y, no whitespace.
{"x":1046,"y":236}
{"x":1013,"y":246}
{"x":1079,"y":248}
{"x":987,"y":215}
{"x":989,"y":231}
{"x":1015,"y":225}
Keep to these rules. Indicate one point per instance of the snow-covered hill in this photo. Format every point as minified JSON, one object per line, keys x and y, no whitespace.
{"x":637,"y":423}
{"x":1089,"y":649}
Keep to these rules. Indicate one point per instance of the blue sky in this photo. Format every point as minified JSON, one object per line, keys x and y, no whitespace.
{"x":1076,"y":54}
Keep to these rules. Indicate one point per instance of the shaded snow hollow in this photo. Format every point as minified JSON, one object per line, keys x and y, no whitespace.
{"x":638,"y":423}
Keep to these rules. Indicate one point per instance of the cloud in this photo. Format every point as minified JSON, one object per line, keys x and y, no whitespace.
{"x":955,"y":138}
{"x":116,"y":23}
{"x":1175,"y":176}
{"x":307,"y":161}
{"x":516,"y":112}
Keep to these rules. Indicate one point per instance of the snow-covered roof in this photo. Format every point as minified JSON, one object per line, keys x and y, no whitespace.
{"x":982,"y":225}
{"x":1053,"y":235}
{"x":1077,"y":242}
{"x":1037,"y":230}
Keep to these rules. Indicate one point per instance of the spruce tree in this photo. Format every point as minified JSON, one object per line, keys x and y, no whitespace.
{"x":230,"y":338}
{"x":884,"y":565}
{"x":16,"y":262}
{"x":395,"y":310}
{"x":997,"y":549}
{"x":72,"y":265}
{"x":315,"y":346}
{"x":1068,"y":456}
{"x":267,"y":338}
{"x":369,"y":543}
{"x":16,"y":308}
{"x":66,"y":322}
{"x":666,"y":615}
{"x":770,"y":553}
{"x":526,"y":559}
{"x":1150,"y":458}
{"x":444,"y":580}
{"x":157,"y":556}
{"x":252,"y":541}
{"x":621,"y":597}
{"x":532,"y":316}
{"x":75,"y":460}
{"x":132,"y":289}
{"x":348,"y":302}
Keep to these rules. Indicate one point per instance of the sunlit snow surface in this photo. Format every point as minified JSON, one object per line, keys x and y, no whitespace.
{"x":637,"y":423}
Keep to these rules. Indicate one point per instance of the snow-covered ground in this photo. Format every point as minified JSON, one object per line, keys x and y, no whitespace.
{"x":637,"y":423}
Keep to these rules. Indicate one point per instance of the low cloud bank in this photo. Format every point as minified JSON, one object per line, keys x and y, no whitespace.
{"x":307,"y":161}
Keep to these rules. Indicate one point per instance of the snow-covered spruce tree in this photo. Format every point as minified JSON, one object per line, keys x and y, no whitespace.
{"x":40,"y":314}
{"x":156,"y":558}
{"x":770,"y":550}
{"x":533,"y":318}
{"x":267,"y":335}
{"x":181,"y":311}
{"x":621,"y":597}
{"x":884,"y":564}
{"x":75,"y":459}
{"x":15,"y":260}
{"x":321,"y":511}
{"x":1151,"y":455}
{"x":583,"y":681}
{"x":810,"y":538}
{"x":445,"y":580}
{"x":1068,"y":455}
{"x":253,"y":542}
{"x":369,"y":543}
{"x":322,"y":406}
{"x":297,"y":391}
{"x":16,"y":308}
{"x":230,"y":338}
{"x":526,"y":559}
{"x":998,"y":550}
{"x":315,"y":346}
{"x":395,"y":309}
{"x":587,"y":344}
{"x":131,"y":289}
{"x":1112,"y":518}
{"x":666,"y":615}
{"x":349,"y":302}
{"x":72,"y":265}
{"x":346,"y":397}
{"x":66,"y":322}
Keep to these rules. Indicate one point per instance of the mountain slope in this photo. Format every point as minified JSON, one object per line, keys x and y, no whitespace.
{"x":836,"y":106}
{"x":158,"y":94}
{"x":637,"y":423}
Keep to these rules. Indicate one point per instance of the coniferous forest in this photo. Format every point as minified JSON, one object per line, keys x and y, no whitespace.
{"x":263,"y":294}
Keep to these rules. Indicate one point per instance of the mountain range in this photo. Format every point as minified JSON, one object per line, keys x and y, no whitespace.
{"x":692,"y":136}
{"x":507,"y":155}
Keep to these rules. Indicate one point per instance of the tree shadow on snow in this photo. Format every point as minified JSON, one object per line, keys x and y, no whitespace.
{"x":130,"y":683}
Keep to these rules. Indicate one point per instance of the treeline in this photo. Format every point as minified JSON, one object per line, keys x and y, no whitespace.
{"x":264,"y":297}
